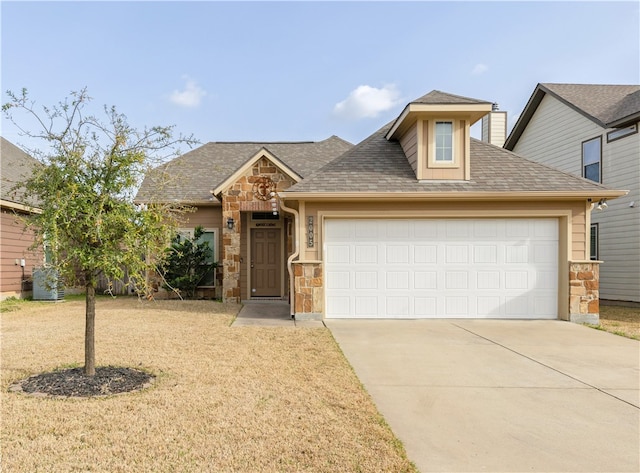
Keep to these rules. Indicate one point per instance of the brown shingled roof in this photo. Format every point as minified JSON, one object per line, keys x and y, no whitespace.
{"x":191,"y":177}
{"x":608,"y":106}
{"x":16,"y":167}
{"x":439,"y":97}
{"x":379,"y":165}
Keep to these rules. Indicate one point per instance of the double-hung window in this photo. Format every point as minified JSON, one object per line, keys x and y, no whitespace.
{"x":592,"y":159}
{"x":444,"y":142}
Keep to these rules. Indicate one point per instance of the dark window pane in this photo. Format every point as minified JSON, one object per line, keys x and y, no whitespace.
{"x":592,"y":172}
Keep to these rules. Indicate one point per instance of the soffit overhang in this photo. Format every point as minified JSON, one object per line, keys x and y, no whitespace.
{"x":449,"y":196}
{"x":415,"y":111}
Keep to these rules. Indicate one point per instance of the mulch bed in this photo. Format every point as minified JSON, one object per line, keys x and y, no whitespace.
{"x":73,"y":382}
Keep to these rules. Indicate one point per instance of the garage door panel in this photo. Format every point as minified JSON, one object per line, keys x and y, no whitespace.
{"x":366,"y":254}
{"x":397,"y":280}
{"x":424,"y":280}
{"x":399,"y":231}
{"x":545,"y":253}
{"x":397,"y":306}
{"x":365,"y":279}
{"x":488,"y":280}
{"x":339,"y":254}
{"x":397,"y":254}
{"x":337,"y":280}
{"x":339,"y":306}
{"x":498,"y":268}
{"x":456,"y":306}
{"x":486,"y":230}
{"x":365,"y":305}
{"x":485,"y":254}
{"x":457,"y":229}
{"x":425,"y":254}
{"x":457,"y":254}
{"x":364,"y":229}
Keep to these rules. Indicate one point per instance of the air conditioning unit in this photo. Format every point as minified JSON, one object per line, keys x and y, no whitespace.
{"x":47,"y":285}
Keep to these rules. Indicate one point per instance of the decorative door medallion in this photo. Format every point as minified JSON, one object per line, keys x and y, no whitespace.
{"x":263,"y":187}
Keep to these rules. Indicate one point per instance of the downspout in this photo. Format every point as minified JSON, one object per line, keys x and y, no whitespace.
{"x":294,"y":255}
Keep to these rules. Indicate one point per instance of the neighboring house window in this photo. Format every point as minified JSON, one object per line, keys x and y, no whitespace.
{"x":594,"y":242}
{"x":209,"y":235}
{"x":592,"y":159}
{"x":622,"y":132}
{"x":444,"y":142}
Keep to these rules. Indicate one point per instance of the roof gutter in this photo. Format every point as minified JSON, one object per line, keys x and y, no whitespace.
{"x":293,"y":256}
{"x":451,"y":196}
{"x":21,"y":207}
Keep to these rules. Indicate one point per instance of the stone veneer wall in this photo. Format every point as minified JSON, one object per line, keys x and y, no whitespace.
{"x":584,"y":297}
{"x":240,"y":197}
{"x":308,"y":286}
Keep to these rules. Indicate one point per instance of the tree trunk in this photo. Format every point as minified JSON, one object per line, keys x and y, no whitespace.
{"x":90,"y":318}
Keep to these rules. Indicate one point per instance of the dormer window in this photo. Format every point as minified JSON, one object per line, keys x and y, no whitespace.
{"x":434,"y":132}
{"x":444,"y":142}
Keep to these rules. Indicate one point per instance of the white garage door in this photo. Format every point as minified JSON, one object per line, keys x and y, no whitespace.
{"x":422,"y":268}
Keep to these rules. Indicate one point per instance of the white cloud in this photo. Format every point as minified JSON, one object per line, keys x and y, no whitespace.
{"x":190,"y":97}
{"x":368,"y":102}
{"x":479,"y":69}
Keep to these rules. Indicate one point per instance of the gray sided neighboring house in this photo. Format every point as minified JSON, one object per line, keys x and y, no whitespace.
{"x":591,"y":130}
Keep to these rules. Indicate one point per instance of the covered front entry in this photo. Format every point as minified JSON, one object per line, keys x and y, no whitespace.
{"x":441,"y":268}
{"x":266,"y":263}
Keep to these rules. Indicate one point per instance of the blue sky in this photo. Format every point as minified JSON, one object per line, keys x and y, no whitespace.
{"x":296,"y":71}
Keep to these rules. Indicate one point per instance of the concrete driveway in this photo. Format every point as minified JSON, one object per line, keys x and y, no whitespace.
{"x":508,"y":396}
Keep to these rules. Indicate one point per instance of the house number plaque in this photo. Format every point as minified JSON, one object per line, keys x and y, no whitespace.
{"x":309,"y":231}
{"x":263,"y":187}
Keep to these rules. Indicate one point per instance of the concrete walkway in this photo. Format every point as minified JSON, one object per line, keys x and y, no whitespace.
{"x":270,"y":314}
{"x":501,"y":396}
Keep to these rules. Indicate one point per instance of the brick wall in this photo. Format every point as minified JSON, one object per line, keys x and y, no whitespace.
{"x":584,"y":296}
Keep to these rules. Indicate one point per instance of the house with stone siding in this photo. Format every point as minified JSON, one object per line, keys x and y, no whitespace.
{"x":419,"y":220}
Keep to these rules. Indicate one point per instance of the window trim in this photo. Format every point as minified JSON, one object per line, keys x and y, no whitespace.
{"x":455,"y":144}
{"x":599,"y":181}
{"x":594,"y":253}
{"x":435,"y":142}
{"x":626,"y":131}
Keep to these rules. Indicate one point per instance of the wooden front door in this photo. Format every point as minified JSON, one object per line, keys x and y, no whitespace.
{"x":266,"y":265}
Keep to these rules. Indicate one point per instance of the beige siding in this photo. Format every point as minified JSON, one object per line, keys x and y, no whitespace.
{"x":15,"y":241}
{"x":554,"y":137}
{"x":207,"y":217}
{"x":409,"y":143}
{"x":494,"y":128}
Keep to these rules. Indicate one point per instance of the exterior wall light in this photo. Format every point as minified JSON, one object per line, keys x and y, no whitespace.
{"x":230,"y":223}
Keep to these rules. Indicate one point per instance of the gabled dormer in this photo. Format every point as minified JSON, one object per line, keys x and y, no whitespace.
{"x":434,"y":132}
